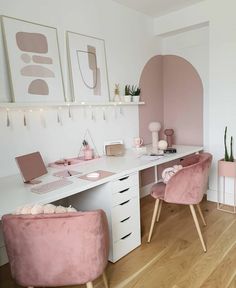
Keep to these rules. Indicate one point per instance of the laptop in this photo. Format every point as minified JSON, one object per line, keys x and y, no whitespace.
{"x":31,"y":166}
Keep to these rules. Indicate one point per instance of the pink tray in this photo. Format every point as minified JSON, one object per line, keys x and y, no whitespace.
{"x":69,"y":162}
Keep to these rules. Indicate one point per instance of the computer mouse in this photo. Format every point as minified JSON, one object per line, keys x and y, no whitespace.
{"x":93,"y":175}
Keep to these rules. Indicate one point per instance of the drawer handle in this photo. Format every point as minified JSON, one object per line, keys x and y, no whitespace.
{"x":126,"y":236}
{"x":124,"y":178}
{"x":124,"y":202}
{"x":125,"y":219}
{"x":123,"y":191}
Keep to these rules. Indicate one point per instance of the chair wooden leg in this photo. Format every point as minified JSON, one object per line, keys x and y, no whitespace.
{"x":154,"y":215}
{"x":197,"y":227}
{"x":105,"y":279}
{"x":201,"y":215}
{"x":89,"y":285}
{"x":159,"y":211}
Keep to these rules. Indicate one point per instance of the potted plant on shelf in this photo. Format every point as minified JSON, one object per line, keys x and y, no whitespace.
{"x":127,"y":96}
{"x":135,"y":93}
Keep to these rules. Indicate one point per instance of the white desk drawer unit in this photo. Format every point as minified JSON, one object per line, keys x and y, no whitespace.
{"x":125,"y":182}
{"x":120,"y":200}
{"x":121,"y":196}
{"x":125,"y":215}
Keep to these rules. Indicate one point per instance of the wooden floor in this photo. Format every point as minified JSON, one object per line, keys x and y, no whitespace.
{"x":174,"y":258}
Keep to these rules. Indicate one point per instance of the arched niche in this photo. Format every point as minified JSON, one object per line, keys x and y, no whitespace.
{"x":173,"y":93}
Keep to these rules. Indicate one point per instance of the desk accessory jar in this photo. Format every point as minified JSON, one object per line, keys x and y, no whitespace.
{"x":88,"y":152}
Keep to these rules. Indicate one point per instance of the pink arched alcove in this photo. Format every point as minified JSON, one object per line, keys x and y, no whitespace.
{"x":173,"y":94}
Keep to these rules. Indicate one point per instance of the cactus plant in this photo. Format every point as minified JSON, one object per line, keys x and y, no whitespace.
{"x":226,"y":150}
{"x":231,"y":157}
{"x":135,"y":91}
{"x":227,"y":157}
{"x":127,"y":89}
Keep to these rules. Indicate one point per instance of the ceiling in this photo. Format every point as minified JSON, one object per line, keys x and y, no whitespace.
{"x":157,"y":8}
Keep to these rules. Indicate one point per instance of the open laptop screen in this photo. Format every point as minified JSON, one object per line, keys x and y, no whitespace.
{"x":31,"y":166}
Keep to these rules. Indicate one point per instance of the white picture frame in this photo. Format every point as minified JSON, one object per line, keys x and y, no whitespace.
{"x":34,"y":61}
{"x":88,"y":68}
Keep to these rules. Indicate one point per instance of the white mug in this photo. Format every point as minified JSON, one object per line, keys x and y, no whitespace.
{"x":138,"y":142}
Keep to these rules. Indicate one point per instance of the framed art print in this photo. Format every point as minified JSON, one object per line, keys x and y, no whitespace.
{"x":88,"y":67}
{"x":34,"y":61}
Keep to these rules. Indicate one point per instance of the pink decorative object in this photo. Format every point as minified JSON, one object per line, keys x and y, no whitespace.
{"x":154,"y":127}
{"x":88,"y":153}
{"x":169,"y":136}
{"x":138,"y":142}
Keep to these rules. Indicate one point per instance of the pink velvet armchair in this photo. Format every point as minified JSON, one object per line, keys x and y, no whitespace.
{"x":187,"y":187}
{"x":53,"y":250}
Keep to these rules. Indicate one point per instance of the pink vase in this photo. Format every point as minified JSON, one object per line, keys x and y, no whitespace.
{"x":88,"y":154}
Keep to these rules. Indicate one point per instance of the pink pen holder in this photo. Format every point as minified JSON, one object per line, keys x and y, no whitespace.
{"x":88,"y":154}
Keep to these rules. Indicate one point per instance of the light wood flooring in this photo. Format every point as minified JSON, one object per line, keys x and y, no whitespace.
{"x":174,"y":258}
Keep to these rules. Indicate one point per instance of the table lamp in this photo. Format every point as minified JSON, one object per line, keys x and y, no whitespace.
{"x":154,"y":127}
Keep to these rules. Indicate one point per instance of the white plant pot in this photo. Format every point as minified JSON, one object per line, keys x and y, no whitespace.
{"x":136,"y":98}
{"x":127,"y":98}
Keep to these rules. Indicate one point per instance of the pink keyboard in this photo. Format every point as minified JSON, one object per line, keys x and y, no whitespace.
{"x":51,"y":186}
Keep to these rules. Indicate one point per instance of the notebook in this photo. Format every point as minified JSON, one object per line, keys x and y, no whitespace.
{"x":31,"y":166}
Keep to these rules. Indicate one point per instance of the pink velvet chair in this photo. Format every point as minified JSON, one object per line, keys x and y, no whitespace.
{"x":187,"y":187}
{"x":50,"y":250}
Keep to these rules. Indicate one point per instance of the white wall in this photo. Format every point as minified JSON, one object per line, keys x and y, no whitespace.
{"x":220,"y":111}
{"x":129,"y":44}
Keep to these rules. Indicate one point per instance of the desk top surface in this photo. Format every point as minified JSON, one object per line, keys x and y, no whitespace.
{"x":14,"y":193}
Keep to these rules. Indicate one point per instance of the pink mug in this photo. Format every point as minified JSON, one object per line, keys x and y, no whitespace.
{"x":138,"y":142}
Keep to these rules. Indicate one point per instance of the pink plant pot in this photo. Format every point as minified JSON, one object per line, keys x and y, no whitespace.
{"x":226,"y":168}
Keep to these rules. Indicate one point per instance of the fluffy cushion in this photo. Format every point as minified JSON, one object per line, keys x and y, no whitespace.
{"x":169,"y":172}
{"x":43,"y":209}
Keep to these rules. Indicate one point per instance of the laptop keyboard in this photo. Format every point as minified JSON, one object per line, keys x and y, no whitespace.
{"x":51,"y":186}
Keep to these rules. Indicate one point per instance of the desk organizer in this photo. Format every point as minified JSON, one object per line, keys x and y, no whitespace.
{"x":69,"y":162}
{"x":226,"y":169}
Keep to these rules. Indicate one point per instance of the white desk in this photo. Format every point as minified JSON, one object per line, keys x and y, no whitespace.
{"x":14,"y":193}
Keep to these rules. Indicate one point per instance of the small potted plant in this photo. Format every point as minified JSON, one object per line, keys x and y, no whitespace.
{"x":226,"y":166}
{"x":127,"y":96}
{"x":135,"y":93}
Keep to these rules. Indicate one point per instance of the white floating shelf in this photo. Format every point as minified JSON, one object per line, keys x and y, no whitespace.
{"x":12,"y":105}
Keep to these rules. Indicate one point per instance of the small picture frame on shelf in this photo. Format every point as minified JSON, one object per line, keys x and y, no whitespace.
{"x":33,"y":60}
{"x":88,"y":68}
